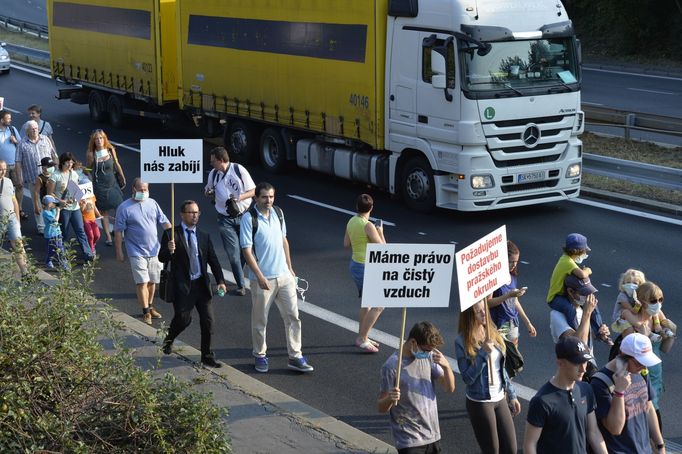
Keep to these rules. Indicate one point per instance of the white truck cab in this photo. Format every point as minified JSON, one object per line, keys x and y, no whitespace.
{"x":483,"y":103}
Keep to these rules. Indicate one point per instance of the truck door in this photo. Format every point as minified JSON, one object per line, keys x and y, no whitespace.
{"x":403,"y":74}
{"x":437,"y":117}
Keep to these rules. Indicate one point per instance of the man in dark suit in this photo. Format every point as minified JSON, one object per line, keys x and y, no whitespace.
{"x":189,"y":255}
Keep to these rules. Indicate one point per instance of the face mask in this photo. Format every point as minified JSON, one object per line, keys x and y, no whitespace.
{"x":101,"y":154}
{"x":141,"y":195}
{"x":653,"y":309}
{"x":419,"y":354}
{"x":630,"y":288}
{"x":50,"y":170}
{"x":580,"y":259}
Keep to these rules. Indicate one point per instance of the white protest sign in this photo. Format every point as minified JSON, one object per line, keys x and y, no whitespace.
{"x":171,"y":160}
{"x":408,"y":275}
{"x":80,"y":191}
{"x":482,"y":267}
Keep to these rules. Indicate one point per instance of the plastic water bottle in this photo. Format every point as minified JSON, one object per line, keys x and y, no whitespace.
{"x":221,"y":292}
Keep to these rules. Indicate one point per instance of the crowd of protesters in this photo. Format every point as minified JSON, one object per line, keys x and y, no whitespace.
{"x":612,"y":408}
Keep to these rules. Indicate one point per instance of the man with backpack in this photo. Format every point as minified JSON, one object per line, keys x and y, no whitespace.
{"x":561,"y":415}
{"x":263,"y":238}
{"x":232,"y":188}
{"x":625,"y":414}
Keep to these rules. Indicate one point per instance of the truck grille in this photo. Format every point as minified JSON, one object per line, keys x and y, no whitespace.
{"x":527,"y":141}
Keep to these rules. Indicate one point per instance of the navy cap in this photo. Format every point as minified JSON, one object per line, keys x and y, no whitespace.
{"x":572,"y":349}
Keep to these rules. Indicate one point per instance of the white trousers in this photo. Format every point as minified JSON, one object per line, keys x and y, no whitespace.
{"x":283,"y":293}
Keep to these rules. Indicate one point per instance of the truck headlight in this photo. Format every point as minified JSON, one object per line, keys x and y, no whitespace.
{"x":573,"y":171}
{"x":482,"y":181}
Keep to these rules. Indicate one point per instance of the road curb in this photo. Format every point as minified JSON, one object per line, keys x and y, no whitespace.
{"x":344,"y":435}
{"x":632,"y":201}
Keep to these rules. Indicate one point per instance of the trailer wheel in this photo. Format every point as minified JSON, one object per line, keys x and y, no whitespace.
{"x":273,"y":152}
{"x":239,"y":141}
{"x":115,"y":109}
{"x":96,"y":105}
{"x":418,"y":186}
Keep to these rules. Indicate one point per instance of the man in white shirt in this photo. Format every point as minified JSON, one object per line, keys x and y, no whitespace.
{"x":230,"y":181}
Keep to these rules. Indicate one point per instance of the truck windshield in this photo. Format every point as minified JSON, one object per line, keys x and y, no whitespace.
{"x":517,"y":68}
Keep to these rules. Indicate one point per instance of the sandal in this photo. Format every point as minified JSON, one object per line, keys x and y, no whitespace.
{"x":367,"y":347}
{"x":109,"y":243}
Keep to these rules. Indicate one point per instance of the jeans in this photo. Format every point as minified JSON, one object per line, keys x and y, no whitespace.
{"x":55,"y":250}
{"x":229,"y":234}
{"x":74,"y":218}
{"x":565,"y":307}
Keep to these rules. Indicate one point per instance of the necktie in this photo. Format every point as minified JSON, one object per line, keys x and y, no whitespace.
{"x":193,"y":253}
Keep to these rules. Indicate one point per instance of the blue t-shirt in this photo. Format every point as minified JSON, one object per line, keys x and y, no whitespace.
{"x":506,"y":311}
{"x":8,"y":150}
{"x":139,"y":222}
{"x":268,"y":243}
{"x":635,"y":434}
{"x":414,"y":421}
{"x":52,"y":228}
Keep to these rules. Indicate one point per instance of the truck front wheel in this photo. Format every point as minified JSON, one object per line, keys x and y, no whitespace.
{"x":239,"y":142}
{"x":273,"y":154}
{"x":96,"y":105}
{"x":418,"y":186}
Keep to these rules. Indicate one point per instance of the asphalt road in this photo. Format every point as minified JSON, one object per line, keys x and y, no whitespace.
{"x":345,"y":382}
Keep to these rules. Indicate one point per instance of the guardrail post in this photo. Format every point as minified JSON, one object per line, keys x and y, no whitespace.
{"x":629,"y":121}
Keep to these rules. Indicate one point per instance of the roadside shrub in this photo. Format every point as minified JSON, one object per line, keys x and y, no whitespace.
{"x":61,"y":392}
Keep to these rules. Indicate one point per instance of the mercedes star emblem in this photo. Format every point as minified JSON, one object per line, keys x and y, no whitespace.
{"x":531,"y":135}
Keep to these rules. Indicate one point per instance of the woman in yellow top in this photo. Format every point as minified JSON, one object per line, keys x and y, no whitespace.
{"x":359,"y":232}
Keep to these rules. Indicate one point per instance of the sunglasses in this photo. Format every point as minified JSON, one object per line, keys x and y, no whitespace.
{"x":656,"y":300}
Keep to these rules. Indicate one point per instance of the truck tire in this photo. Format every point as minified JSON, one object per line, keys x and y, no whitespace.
{"x":273,"y":152}
{"x":97,"y":106}
{"x":418,"y":186}
{"x":239,"y":142}
{"x":115,"y":110}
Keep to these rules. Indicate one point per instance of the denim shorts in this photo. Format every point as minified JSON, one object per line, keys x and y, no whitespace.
{"x":357,"y":272}
{"x":12,"y":228}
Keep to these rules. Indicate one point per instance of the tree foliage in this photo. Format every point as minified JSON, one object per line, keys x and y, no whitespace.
{"x":643,"y":28}
{"x":61,"y":392}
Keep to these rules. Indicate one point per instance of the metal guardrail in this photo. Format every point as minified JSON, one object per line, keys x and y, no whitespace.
{"x":23,"y":26}
{"x":632,"y":171}
{"x":28,"y":52}
{"x":632,"y":120}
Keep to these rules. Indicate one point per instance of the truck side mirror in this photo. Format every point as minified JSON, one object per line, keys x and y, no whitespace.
{"x":438,"y":77}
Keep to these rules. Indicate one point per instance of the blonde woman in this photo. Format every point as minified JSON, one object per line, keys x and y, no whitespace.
{"x":101,"y":158}
{"x":490,"y":404}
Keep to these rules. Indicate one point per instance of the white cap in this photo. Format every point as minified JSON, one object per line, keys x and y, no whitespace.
{"x":639,"y":347}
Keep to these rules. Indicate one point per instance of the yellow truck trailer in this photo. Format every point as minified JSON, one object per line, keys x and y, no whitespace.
{"x":462,"y":104}
{"x":118,"y":56}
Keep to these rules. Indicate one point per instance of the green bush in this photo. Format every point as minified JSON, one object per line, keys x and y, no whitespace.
{"x":61,"y":392}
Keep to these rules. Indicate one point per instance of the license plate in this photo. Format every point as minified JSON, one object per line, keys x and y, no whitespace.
{"x":531,"y":176}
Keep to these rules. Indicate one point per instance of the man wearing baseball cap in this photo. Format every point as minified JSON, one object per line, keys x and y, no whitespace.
{"x":625,"y":414}
{"x":580,"y":295}
{"x":561,"y":415}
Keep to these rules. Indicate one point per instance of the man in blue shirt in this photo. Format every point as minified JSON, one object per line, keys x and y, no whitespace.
{"x":272,"y":278}
{"x":138,"y":218}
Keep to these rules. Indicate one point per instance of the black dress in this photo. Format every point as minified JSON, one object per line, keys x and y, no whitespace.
{"x":105,"y":186}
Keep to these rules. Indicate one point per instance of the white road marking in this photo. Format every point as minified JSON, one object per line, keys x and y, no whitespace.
{"x":640,"y":214}
{"x":592,"y":103}
{"x":421,"y":233}
{"x":11,"y":110}
{"x":333,"y":208}
{"x":653,"y":91}
{"x":127,"y":147}
{"x":611,"y":71}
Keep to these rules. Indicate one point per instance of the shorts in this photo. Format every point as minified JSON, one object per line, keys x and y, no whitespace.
{"x":12,"y":228}
{"x":145,"y":269}
{"x":357,"y":272}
